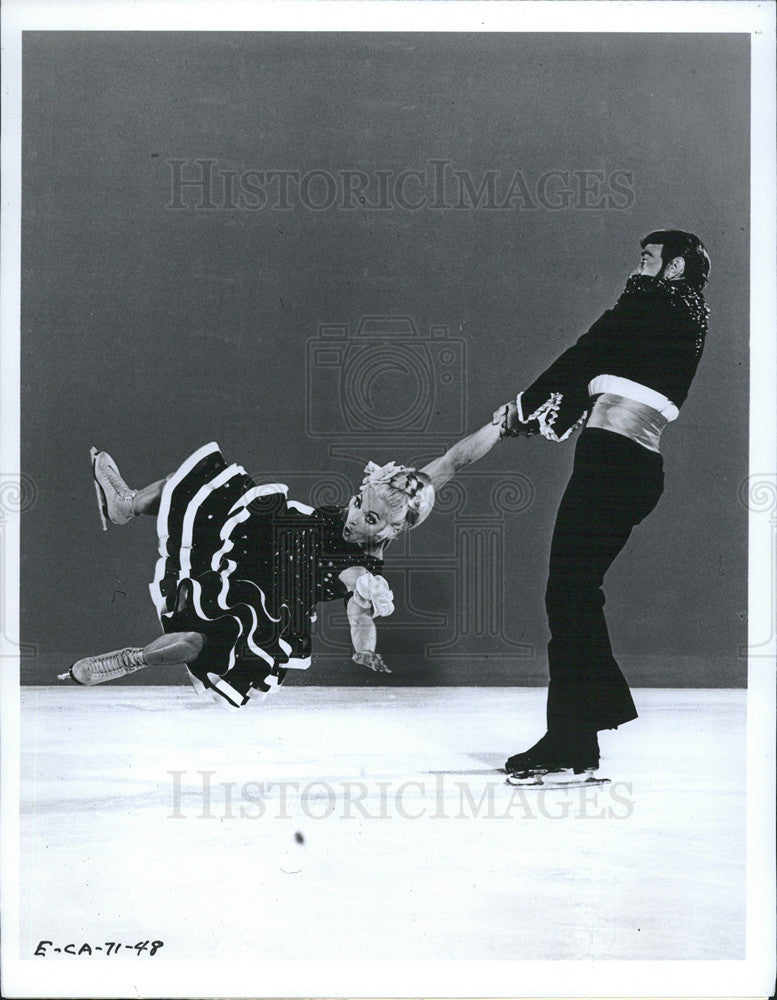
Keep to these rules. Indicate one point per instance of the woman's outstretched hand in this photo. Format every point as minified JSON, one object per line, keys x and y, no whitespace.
{"x":372,"y":660}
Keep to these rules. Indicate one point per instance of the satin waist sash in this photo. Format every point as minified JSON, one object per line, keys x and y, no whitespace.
{"x":625,"y":416}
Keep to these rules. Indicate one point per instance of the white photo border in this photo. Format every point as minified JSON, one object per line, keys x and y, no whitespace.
{"x":28,"y":978}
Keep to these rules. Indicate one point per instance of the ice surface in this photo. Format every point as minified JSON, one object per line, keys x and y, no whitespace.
{"x":120,"y":841}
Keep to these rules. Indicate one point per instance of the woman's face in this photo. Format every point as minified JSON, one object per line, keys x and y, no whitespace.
{"x":365,"y":520}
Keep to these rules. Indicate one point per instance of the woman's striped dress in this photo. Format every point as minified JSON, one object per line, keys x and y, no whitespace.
{"x":245,"y":566}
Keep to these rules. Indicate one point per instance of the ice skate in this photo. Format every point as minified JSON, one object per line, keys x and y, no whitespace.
{"x":105,"y":667}
{"x":114,"y":497}
{"x":556,"y":754}
{"x":557,"y":751}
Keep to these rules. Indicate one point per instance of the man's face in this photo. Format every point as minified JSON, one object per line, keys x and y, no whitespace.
{"x":650,"y":262}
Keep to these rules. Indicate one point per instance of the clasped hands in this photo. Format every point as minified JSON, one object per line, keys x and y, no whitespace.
{"x":508,"y":421}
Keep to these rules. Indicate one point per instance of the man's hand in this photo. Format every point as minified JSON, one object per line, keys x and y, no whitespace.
{"x":372,"y":660}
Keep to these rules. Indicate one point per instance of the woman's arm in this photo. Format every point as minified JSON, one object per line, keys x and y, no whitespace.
{"x":468,"y":450}
{"x":364,"y":635}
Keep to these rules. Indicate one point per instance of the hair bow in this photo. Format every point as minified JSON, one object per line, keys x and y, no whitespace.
{"x":377,"y":475}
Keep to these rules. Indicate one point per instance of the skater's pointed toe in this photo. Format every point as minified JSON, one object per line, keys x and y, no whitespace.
{"x":543,"y":750}
{"x":80,"y":672}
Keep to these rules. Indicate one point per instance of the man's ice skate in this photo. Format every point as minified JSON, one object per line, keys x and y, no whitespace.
{"x":114,"y":497}
{"x":105,"y":667}
{"x":557,"y":761}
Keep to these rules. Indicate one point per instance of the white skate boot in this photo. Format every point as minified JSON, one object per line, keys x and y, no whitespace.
{"x":105,"y":667}
{"x":114,"y":497}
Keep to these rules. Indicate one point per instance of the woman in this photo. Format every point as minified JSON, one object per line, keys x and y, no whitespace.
{"x":241,"y":567}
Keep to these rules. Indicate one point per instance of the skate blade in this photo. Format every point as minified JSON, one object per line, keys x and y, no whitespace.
{"x":102,"y":504}
{"x":539,"y":778}
{"x":576,"y":782}
{"x":524,"y":778}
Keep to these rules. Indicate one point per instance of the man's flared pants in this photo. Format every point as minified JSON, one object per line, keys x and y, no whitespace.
{"x":615,"y":484}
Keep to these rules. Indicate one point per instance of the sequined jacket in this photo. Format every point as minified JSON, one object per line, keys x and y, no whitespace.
{"x":652,"y":336}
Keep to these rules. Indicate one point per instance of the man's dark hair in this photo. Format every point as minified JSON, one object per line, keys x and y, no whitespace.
{"x":676,"y":243}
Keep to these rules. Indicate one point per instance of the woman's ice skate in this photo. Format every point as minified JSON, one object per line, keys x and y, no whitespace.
{"x":105,"y":667}
{"x":114,"y":497}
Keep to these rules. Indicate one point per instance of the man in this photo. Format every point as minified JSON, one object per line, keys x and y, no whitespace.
{"x":623,"y":381}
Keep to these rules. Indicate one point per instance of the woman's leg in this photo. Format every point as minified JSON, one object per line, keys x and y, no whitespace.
{"x":174,"y":647}
{"x":169,"y":649}
{"x":146,"y":501}
{"x":117,"y":502}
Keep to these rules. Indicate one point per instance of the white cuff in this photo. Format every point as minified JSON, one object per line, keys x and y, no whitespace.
{"x":374,"y":592}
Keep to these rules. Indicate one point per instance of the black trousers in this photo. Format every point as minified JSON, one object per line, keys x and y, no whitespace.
{"x":615,"y":484}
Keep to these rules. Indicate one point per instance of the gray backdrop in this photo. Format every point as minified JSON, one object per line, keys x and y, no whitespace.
{"x":155,"y":319}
